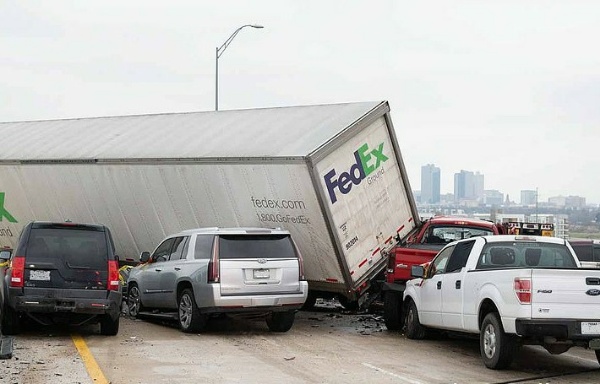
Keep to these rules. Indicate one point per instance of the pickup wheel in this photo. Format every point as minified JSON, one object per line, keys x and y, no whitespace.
{"x":134,"y":301}
{"x":497,"y":348}
{"x":392,"y":311}
{"x":414,"y":329}
{"x":281,"y":321}
{"x":190,"y":318}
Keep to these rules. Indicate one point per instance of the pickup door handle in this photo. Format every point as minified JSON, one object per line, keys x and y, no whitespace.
{"x":457,"y":284}
{"x":177,"y":269}
{"x":592,"y":281}
{"x":158,"y":269}
{"x":439,"y":285}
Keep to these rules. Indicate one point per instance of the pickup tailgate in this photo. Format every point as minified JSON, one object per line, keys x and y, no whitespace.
{"x":565,"y":294}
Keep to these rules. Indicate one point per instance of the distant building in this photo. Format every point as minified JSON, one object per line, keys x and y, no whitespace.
{"x":567,"y":202}
{"x":493,"y":197}
{"x":528,"y":197}
{"x":430,"y":184}
{"x":468,"y":186}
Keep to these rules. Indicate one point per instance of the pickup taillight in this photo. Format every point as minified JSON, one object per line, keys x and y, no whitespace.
{"x":17,"y":275}
{"x":391,"y":260}
{"x":522,"y":288}
{"x":113,"y":283}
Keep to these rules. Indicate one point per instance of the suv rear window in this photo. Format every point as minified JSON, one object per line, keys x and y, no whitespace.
{"x":78,"y":248}
{"x":256,"y":247}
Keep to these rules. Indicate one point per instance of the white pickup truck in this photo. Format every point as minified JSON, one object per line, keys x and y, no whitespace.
{"x":511,"y":290}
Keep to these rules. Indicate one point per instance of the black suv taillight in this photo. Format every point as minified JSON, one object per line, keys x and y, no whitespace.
{"x":113,"y":283}
{"x":17,"y":276}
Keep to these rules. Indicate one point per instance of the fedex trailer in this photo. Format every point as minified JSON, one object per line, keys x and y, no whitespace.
{"x":332,"y":175}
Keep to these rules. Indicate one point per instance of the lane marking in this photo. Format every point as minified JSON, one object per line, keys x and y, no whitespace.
{"x":405,"y":379}
{"x":88,"y":359}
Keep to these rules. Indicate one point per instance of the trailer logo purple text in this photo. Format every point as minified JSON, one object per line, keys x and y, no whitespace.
{"x":367,"y":161}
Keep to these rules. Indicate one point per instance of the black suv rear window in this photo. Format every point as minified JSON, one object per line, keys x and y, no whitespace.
{"x":77,"y":248}
{"x":256,"y":247}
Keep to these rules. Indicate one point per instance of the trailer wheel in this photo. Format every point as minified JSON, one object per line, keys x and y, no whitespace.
{"x":597,"y":355}
{"x":414,"y":329}
{"x":392,"y":311}
{"x":496,"y":347}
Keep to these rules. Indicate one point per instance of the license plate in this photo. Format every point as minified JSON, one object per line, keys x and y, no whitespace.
{"x":39,"y":275}
{"x":590,"y":327}
{"x":261,"y":274}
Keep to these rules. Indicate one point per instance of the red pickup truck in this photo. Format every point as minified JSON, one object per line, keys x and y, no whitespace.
{"x":420,"y":247}
{"x":424,"y":243}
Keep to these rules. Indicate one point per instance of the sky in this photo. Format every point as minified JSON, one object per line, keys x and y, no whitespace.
{"x":510,"y":89}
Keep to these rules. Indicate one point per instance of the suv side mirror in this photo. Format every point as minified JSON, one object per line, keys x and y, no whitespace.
{"x":5,"y":255}
{"x":144,"y":257}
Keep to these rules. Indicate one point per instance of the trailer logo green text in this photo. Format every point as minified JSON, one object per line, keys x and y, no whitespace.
{"x":3,"y":212}
{"x":367,"y":161}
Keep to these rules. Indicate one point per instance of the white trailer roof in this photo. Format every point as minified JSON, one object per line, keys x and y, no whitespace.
{"x":270,"y":132}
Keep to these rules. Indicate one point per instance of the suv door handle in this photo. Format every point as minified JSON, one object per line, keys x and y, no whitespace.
{"x":439,"y":285}
{"x":457,"y":284}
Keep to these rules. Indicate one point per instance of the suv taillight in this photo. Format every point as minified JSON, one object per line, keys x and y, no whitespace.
{"x":113,"y":275}
{"x":213,"y":264}
{"x":523,"y":290}
{"x":301,"y":265}
{"x":17,"y":276}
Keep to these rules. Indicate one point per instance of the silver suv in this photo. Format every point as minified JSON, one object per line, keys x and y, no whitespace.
{"x":202,"y":272}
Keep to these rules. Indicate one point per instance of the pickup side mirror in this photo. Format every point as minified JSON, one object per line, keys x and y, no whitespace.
{"x":144,"y":257}
{"x":417,"y":271}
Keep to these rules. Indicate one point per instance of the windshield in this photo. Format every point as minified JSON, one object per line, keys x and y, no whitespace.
{"x":448,"y":234}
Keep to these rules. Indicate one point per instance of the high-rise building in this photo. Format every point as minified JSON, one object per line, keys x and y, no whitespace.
{"x":430,"y":184}
{"x":528,"y":197}
{"x":468,"y":186}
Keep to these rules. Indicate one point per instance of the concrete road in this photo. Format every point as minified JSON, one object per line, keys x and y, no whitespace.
{"x":327,"y":345}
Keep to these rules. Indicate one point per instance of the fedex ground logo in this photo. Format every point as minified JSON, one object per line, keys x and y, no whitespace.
{"x":366,"y":162}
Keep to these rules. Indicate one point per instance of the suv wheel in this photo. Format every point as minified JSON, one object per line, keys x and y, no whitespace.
{"x":281,"y":321}
{"x":190,"y":318}
{"x":108,"y":326}
{"x":134,"y":301}
{"x":10,"y":322}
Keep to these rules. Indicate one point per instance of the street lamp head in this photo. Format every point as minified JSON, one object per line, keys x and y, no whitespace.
{"x":256,"y":26}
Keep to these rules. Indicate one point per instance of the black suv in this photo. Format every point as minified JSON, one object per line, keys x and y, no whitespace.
{"x":63,"y":273}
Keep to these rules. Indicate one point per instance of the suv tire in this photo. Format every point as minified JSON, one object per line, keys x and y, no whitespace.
{"x":190,"y":318}
{"x":108,"y":326}
{"x":134,"y":301}
{"x":281,"y":321}
{"x":10,"y":322}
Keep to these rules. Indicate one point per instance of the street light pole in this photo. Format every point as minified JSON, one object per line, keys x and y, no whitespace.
{"x":219,"y":51}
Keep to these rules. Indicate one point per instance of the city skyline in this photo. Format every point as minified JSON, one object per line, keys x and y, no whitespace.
{"x":469,"y":185}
